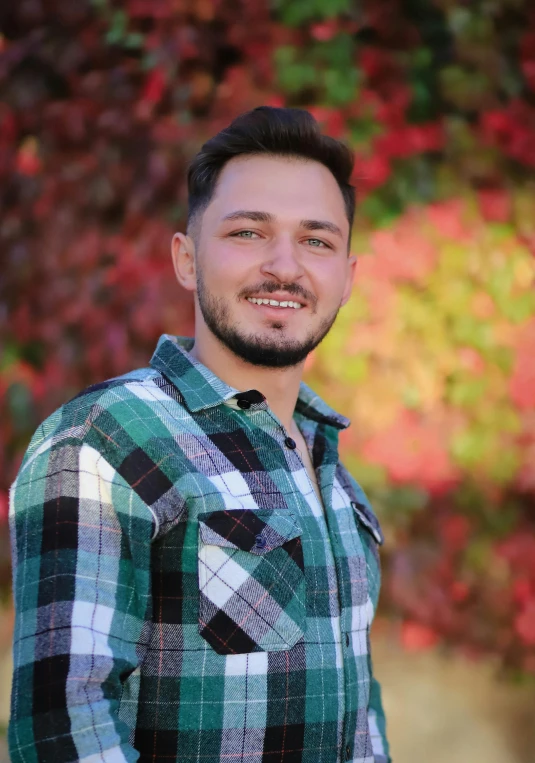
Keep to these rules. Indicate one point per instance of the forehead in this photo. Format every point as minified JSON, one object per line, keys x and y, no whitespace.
{"x":286,"y":187}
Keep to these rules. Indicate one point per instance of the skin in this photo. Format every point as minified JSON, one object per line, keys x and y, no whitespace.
{"x":267,"y":244}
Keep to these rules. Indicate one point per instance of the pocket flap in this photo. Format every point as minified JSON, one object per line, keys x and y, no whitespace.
{"x":256,"y":531}
{"x":369,"y":520}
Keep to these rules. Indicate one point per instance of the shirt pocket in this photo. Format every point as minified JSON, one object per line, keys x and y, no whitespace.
{"x":251,"y":580}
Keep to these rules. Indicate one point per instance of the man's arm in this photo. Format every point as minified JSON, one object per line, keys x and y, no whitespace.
{"x":376,"y":714}
{"x":377,"y":723}
{"x":81,"y":554}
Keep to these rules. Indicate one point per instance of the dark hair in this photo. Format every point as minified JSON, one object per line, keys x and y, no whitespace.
{"x":268,"y":130}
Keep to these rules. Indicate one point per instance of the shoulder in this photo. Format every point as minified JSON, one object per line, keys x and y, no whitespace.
{"x":102,"y":414}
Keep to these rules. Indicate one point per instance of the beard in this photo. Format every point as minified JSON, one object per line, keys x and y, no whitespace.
{"x":276,"y":351}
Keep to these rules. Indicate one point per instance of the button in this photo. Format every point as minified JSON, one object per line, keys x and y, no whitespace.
{"x":347,"y":639}
{"x":243,"y":404}
{"x":290,"y":443}
{"x":348,"y":752}
{"x":260,"y":541}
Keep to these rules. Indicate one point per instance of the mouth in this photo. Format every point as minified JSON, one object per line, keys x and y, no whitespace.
{"x":277,"y":304}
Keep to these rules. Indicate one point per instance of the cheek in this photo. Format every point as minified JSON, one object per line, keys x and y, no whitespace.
{"x":228,"y":271}
{"x":330,"y":282}
{"x":217,"y":271}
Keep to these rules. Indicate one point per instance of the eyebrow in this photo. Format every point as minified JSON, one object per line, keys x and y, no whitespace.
{"x":266,"y":217}
{"x":321,"y":225}
{"x":247,"y":214}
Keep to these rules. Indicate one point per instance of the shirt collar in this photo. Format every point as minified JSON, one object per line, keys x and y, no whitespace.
{"x":201,"y":388}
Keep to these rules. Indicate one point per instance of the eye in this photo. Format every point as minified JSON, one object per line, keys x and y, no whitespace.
{"x":244,"y":234}
{"x":318,"y":243}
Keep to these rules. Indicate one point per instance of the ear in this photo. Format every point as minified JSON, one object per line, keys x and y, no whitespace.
{"x":350,"y":277}
{"x":183,"y":254}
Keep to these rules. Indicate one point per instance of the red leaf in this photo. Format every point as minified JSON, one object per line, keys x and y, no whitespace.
{"x":413,"y":453}
{"x":495,"y":205}
{"x":27,"y":161}
{"x":324,"y":30}
{"x":4,"y":507}
{"x":522,"y":382}
{"x":371,"y":172}
{"x":416,"y":637}
{"x":459,"y":591}
{"x":154,"y":87}
{"x":525,"y":624}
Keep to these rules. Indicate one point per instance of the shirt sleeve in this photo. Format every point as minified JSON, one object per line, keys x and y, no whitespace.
{"x":80,"y":539}
{"x":376,"y":714}
{"x":377,"y":723}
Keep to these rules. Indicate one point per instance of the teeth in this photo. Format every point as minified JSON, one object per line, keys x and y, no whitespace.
{"x":274,"y":303}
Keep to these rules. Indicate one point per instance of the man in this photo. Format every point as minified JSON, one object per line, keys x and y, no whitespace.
{"x":195,"y":572}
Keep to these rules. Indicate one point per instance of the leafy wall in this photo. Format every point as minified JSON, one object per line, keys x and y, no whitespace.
{"x":101,"y":105}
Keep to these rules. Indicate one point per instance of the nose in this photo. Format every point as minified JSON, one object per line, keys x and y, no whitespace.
{"x":282,"y":261}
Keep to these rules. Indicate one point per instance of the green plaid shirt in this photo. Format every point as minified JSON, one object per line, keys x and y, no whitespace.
{"x":180,"y":592}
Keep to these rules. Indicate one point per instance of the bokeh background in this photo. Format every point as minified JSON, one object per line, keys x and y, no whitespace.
{"x":103,"y":103}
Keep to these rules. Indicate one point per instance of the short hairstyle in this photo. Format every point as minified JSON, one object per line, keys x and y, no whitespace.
{"x":270,"y":131}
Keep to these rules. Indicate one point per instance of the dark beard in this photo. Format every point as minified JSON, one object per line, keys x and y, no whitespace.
{"x":254,"y":349}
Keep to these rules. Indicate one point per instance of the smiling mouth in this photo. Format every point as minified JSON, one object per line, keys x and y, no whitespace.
{"x":275,"y":303}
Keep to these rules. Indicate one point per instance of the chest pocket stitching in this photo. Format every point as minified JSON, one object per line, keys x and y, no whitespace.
{"x":251,"y":580}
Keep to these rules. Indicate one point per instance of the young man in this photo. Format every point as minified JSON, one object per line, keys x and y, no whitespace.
{"x":195,"y":571}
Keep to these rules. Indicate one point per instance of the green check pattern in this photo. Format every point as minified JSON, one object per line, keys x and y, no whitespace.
{"x":180,"y":593}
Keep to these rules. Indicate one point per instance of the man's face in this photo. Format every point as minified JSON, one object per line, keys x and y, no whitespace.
{"x":275,"y":230}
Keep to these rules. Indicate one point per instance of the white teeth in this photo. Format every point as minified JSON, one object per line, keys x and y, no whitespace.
{"x":274,"y":303}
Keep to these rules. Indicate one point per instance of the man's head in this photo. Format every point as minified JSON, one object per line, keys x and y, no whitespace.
{"x":270,"y":214}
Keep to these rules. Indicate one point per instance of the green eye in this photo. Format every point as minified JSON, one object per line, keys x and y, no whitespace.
{"x":244,"y":234}
{"x":317,"y":242}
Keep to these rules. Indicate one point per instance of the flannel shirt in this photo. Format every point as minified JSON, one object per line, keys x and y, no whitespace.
{"x":180,"y":592}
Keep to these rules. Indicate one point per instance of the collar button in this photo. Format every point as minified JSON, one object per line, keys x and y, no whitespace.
{"x":290,"y":443}
{"x":243,"y":404}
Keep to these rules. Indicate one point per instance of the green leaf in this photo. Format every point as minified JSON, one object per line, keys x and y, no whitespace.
{"x":118,"y":26}
{"x":297,"y":12}
{"x":519,"y":308}
{"x":20,"y":406}
{"x":340,"y":87}
{"x":134,"y":40}
{"x":469,"y":447}
{"x":467,"y":392}
{"x":504,"y":466}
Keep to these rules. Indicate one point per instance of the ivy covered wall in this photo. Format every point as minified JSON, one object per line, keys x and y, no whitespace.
{"x":102,"y":103}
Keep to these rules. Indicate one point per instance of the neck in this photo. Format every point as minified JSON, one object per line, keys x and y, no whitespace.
{"x":279,"y":385}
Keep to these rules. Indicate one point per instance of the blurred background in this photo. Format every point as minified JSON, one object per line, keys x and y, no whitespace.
{"x":103,"y":103}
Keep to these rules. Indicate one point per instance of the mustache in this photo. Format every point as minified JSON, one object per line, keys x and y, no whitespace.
{"x":270,"y":287}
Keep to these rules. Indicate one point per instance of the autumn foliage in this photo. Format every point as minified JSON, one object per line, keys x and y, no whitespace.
{"x":102,"y":104}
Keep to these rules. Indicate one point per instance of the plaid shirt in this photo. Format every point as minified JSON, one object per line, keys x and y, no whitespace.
{"x":180,"y":593}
